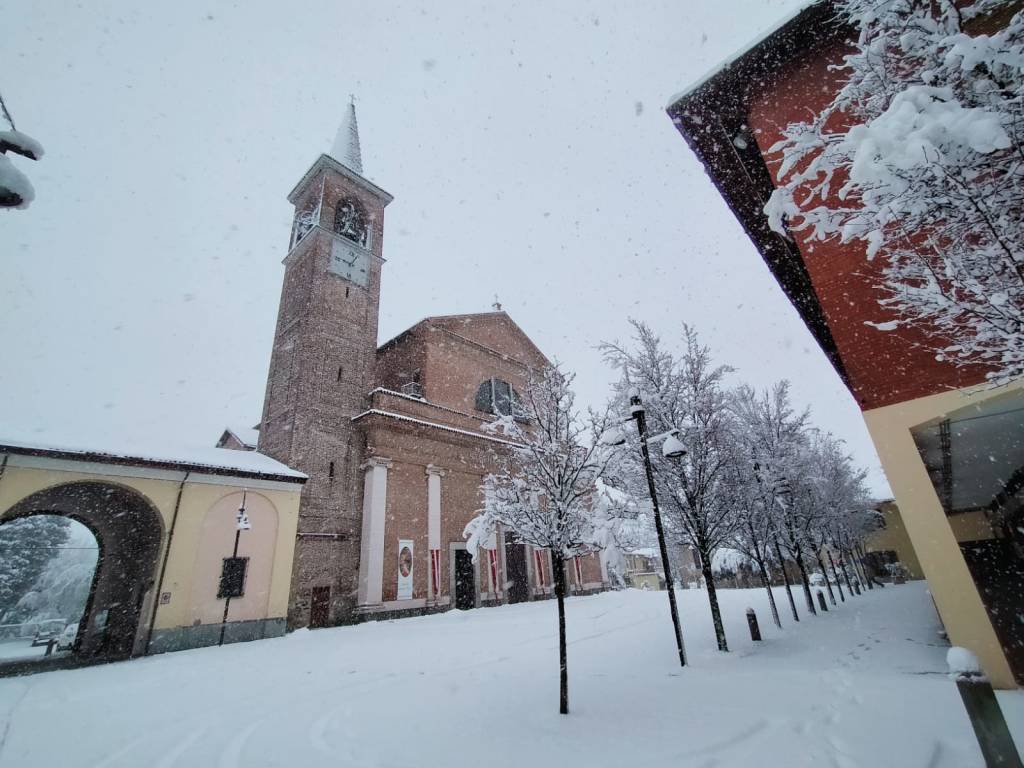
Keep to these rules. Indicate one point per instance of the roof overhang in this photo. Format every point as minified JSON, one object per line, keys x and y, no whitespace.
{"x":711,"y":114}
{"x":99,"y":457}
{"x":326,"y":162}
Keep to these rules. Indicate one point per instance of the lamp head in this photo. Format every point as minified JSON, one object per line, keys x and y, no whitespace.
{"x":673,"y":448}
{"x":614,"y":436}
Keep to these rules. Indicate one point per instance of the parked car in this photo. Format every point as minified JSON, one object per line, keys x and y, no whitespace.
{"x":66,"y":641}
{"x":47,"y":631}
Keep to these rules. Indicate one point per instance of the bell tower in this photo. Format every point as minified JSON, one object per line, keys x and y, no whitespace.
{"x":322,"y":368}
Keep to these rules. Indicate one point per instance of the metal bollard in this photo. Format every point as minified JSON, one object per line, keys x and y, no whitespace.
{"x":821,"y":601}
{"x":982,"y":707}
{"x":755,"y":631}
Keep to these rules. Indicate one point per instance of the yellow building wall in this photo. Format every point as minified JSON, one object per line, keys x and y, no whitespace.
{"x":191,"y":556}
{"x":894,"y":538}
{"x":930,"y":531}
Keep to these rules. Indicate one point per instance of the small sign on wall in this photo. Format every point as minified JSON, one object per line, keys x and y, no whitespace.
{"x":405,"y":568}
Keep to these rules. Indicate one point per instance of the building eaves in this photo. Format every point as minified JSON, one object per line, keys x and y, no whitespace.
{"x":432,"y":425}
{"x":712,"y":117}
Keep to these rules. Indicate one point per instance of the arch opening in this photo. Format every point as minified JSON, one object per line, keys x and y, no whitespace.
{"x":127,"y":531}
{"x":47,"y":571}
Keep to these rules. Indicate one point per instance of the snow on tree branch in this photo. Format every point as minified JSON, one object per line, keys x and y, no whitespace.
{"x":930,"y":175}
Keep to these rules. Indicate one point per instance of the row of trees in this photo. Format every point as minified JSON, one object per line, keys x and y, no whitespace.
{"x":756,"y":477}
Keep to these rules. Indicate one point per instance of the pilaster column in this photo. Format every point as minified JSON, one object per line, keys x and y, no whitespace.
{"x":371,"y":550}
{"x":434,"y":589}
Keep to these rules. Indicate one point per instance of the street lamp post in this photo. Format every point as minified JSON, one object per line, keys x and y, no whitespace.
{"x":674,"y":451}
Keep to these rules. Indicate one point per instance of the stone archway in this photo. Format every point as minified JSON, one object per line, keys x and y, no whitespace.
{"x":128,"y":530}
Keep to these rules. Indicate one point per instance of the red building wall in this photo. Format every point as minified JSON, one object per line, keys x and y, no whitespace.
{"x":884,"y":367}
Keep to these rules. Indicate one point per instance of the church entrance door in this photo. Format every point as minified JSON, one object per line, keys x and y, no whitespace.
{"x":465,"y":581}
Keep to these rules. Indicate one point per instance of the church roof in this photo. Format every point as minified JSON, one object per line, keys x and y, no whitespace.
{"x":345,"y":157}
{"x":346,"y":142}
{"x":446,"y":321}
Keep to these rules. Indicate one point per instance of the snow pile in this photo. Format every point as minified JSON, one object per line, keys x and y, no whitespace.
{"x":962,"y":663}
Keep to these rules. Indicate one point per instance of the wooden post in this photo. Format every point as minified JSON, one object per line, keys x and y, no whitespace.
{"x":755,"y":631}
{"x":987,"y":719}
{"x":821,"y":601}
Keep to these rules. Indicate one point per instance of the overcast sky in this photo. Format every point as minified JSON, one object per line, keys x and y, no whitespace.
{"x":526,"y":146}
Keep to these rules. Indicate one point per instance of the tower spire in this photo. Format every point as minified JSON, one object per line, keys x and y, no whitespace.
{"x":346,"y":143}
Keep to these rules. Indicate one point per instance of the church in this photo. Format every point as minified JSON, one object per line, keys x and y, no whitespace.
{"x":389,"y":436}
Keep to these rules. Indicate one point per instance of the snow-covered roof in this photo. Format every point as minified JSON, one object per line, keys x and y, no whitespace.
{"x":346,"y":143}
{"x":761,"y":38}
{"x":222,"y":461}
{"x":643,"y":552}
{"x":248,"y":436}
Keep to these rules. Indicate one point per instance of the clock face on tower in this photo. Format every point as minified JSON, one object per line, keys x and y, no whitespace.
{"x":350,"y":261}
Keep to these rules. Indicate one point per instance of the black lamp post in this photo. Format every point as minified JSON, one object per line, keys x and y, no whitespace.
{"x":672,"y":449}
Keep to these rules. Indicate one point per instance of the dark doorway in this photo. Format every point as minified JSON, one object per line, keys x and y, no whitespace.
{"x":517,"y":580}
{"x":465,"y":580}
{"x":999,"y":575}
{"x":320,"y":607}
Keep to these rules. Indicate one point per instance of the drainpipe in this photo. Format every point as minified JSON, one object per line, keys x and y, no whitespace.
{"x":163,"y":567}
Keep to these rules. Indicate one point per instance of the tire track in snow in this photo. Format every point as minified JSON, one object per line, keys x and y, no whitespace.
{"x":231,"y":754}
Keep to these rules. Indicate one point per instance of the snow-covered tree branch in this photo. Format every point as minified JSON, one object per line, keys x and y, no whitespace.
{"x":546,"y":488}
{"x":920,"y":156}
{"x":684,"y":393}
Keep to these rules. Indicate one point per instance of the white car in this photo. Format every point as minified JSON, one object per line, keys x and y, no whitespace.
{"x":66,"y":641}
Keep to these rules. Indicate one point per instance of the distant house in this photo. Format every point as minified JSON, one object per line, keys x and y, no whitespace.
{"x":891,"y":544}
{"x":643,"y":569}
{"x":950,"y":445}
{"x":240,"y":438}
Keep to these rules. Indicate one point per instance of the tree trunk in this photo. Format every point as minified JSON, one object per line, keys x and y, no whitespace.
{"x":716,"y":614}
{"x":864,"y":565}
{"x":771,"y":597}
{"x":846,"y":573}
{"x":835,"y":575}
{"x":785,"y":579}
{"x":855,"y":554}
{"x":563,"y":663}
{"x":803,"y":575}
{"x":821,"y":564}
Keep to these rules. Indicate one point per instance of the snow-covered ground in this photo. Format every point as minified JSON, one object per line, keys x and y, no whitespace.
{"x":863,"y":685}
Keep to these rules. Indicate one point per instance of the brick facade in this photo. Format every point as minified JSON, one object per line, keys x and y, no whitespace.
{"x":390,"y":438}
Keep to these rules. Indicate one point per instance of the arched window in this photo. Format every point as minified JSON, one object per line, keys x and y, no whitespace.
{"x":350,"y":221}
{"x":498,"y":397}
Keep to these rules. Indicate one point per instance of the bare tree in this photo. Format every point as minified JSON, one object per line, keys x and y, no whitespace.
{"x":755,"y":528}
{"x":775,"y":438}
{"x":683,"y":393}
{"x":545,"y":487}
